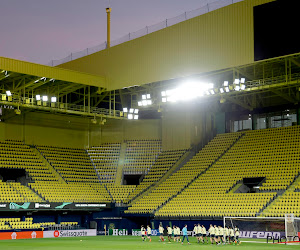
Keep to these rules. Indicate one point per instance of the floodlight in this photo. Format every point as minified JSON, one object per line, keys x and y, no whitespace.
{"x":164,"y":99}
{"x":53,"y":99}
{"x":148,"y":96}
{"x":243,"y":86}
{"x":125,"y":110}
{"x":237,"y":88}
{"x":144,"y":97}
{"x":131,"y":111}
{"x":237,"y":81}
{"x":8,"y":93}
{"x":140,"y":104}
{"x":207,"y":92}
{"x":227,"y":89}
{"x":38,"y":97}
{"x":144,"y":102}
{"x":163,"y":93}
{"x":136,"y":117}
{"x":225,"y":84}
{"x":221,"y":90}
{"x":212,"y":91}
{"x":130,"y":116}
{"x":45,"y":98}
{"x":287,"y":115}
{"x":210,"y":85}
{"x":36,"y":81}
{"x":43,"y":78}
{"x":169,"y":92}
{"x":149,"y":102}
{"x":136,"y":111}
{"x":243,"y":80}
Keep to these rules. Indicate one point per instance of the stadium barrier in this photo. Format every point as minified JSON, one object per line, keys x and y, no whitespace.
{"x":9,"y":206}
{"x":47,"y":234}
{"x":69,"y":233}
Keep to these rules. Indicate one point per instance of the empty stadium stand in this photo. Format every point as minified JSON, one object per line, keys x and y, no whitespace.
{"x":180,"y":179}
{"x":141,"y":155}
{"x":269,"y":153}
{"x":17,"y":224}
{"x":163,"y":163}
{"x":105,"y":158}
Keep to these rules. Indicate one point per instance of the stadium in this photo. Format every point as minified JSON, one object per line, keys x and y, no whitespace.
{"x":195,"y":120}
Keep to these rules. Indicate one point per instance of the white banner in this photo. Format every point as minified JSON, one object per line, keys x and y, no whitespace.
{"x":70,"y":233}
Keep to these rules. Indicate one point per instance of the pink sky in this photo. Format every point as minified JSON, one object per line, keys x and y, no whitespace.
{"x":43,"y":30}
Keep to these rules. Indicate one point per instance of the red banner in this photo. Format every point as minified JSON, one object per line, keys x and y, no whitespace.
{"x":21,"y":235}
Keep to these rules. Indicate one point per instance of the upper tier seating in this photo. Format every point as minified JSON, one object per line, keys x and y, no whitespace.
{"x":186,"y":174}
{"x":141,"y":155}
{"x":106,"y":158}
{"x":74,"y":165}
{"x":270,"y":153}
{"x":163,"y":163}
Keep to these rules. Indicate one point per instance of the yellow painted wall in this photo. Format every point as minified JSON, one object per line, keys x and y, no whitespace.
{"x":76,"y":132}
{"x":219,"y":39}
{"x":119,"y":131}
{"x":185,"y":125}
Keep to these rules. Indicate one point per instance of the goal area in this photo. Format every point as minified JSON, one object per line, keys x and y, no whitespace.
{"x":280,"y":229}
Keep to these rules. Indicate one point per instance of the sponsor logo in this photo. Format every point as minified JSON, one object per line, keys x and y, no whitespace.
{"x":56,"y":233}
{"x":260,"y":234}
{"x":33,"y":235}
{"x":38,"y":205}
{"x":14,"y":236}
{"x":90,"y":205}
{"x":118,"y":232}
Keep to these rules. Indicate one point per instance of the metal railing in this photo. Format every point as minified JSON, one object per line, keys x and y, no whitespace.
{"x":210,"y":5}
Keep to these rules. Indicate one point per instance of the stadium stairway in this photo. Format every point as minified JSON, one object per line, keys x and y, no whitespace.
{"x":40,"y":155}
{"x":181,"y":162}
{"x":119,"y":173}
{"x":201,"y":173}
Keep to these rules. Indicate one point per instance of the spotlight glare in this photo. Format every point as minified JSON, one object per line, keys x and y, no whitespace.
{"x":144,"y":102}
{"x":225,"y":84}
{"x":148,"y":96}
{"x":243,"y":87}
{"x":140,"y":104}
{"x":221,"y":90}
{"x":131,"y":111}
{"x":8,"y":93}
{"x":163,"y":93}
{"x":38,"y":97}
{"x":136,"y":117}
{"x":243,"y":80}
{"x":136,"y":111}
{"x":212,"y":91}
{"x":164,"y":99}
{"x":149,"y":102}
{"x":227,"y":89}
{"x":237,"y":88}
{"x":125,"y":110}
{"x":144,"y":97}
{"x":237,"y":81}
{"x":53,"y":99}
{"x":45,"y":98}
{"x":130,"y":116}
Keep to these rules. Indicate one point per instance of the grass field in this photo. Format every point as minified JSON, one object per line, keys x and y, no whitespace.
{"x":125,"y":243}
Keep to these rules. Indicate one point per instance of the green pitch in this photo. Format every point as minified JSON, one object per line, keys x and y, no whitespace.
{"x":124,"y":243}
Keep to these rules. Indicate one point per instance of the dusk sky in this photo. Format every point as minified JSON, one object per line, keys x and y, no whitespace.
{"x":43,"y":30}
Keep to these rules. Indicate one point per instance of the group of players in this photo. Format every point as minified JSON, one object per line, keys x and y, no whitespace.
{"x":217,"y":234}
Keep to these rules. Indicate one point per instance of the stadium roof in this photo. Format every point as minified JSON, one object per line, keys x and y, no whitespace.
{"x":14,"y":71}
